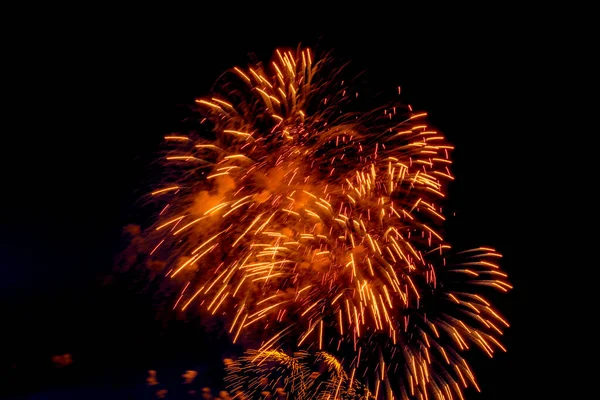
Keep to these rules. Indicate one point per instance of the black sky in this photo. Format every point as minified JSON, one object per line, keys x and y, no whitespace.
{"x":94,"y":98}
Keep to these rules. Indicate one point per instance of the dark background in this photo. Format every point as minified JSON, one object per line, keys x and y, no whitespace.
{"x":93,"y":98}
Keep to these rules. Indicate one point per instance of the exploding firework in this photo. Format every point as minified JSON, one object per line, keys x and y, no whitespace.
{"x":302,"y":376}
{"x":271,"y":371}
{"x":308,"y":225}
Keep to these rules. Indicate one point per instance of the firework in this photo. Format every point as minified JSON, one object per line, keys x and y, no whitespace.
{"x":302,"y":376}
{"x":309,"y":225}
{"x":271,"y":371}
{"x":335,"y":383}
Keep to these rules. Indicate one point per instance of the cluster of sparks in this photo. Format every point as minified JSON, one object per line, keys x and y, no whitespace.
{"x":320,"y":229}
{"x":301,"y":376}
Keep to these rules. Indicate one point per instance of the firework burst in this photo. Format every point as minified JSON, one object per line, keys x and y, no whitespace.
{"x":311,"y":226}
{"x":258,"y":374}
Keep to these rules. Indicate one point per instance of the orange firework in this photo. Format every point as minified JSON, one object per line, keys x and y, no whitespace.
{"x":319,"y":376}
{"x":313,"y":227}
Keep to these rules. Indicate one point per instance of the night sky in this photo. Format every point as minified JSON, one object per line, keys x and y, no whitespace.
{"x":93,"y":103}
